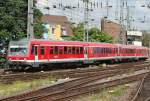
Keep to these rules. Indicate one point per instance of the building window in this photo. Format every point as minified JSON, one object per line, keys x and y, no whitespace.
{"x":53,"y":30}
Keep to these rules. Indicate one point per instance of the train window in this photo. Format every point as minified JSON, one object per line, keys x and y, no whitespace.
{"x":120,"y":49}
{"x":77,"y":50}
{"x":114,"y":50}
{"x":51,"y":50}
{"x":97,"y":49}
{"x":110,"y":51}
{"x":104,"y":50}
{"x":73,"y":50}
{"x":65,"y":50}
{"x":94,"y":50}
{"x":60,"y":50}
{"x":107,"y":50}
{"x":32,"y":50}
{"x":85,"y":50}
{"x":69,"y":50}
{"x":42,"y":50}
{"x":36,"y":50}
{"x":56,"y":50}
{"x":81,"y":50}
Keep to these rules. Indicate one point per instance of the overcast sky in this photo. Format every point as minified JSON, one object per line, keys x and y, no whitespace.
{"x":139,"y":12}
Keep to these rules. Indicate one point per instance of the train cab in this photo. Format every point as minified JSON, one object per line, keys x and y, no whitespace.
{"x":18,"y":53}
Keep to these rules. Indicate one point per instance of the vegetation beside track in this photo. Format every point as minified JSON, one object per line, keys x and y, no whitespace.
{"x":118,"y":93}
{"x":86,"y":84}
{"x":20,"y":86}
{"x":105,"y":94}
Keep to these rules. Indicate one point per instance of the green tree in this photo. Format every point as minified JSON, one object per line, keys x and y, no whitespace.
{"x":95,"y":35}
{"x":78,"y":32}
{"x":13,"y":22}
{"x":146,"y":39}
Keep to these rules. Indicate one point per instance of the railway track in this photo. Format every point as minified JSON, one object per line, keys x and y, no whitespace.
{"x":82,"y":85}
{"x":73,"y":73}
{"x":1,"y":71}
{"x":143,"y":92}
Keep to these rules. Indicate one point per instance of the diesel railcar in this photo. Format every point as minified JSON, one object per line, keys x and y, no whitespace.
{"x":36,"y":53}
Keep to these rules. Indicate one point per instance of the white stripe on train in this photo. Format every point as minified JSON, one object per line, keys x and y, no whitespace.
{"x":81,"y":59}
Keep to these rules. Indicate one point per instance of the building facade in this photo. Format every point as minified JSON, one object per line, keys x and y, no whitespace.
{"x":113,"y":29}
{"x":56,"y":27}
{"x":134,"y":38}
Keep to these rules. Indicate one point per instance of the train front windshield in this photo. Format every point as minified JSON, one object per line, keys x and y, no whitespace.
{"x":18,"y":51}
{"x":18,"y":48}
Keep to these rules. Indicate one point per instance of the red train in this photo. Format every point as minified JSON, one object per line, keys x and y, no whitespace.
{"x":36,"y":53}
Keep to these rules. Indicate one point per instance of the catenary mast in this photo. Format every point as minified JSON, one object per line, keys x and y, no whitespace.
{"x":30,"y":31}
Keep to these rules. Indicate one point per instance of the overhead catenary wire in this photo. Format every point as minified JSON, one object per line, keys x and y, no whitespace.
{"x":99,"y":10}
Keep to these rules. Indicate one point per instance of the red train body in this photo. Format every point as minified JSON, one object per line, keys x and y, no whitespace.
{"x":36,"y":53}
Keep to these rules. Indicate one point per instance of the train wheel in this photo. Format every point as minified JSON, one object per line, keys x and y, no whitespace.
{"x":112,"y":61}
{"x":27,"y":68}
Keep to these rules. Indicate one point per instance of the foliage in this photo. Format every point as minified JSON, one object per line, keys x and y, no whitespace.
{"x":146,"y":39}
{"x":95,"y":35}
{"x":78,"y":32}
{"x":21,"y":86}
{"x":105,"y":94}
{"x":13,"y":21}
{"x":38,"y":27}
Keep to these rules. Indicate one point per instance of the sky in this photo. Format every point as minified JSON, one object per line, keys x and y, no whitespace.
{"x":139,"y":12}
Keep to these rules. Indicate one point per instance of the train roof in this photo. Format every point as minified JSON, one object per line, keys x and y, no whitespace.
{"x":19,"y":43}
{"x":73,"y":43}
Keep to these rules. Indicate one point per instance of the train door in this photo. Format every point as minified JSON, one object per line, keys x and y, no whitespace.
{"x":36,"y":57}
{"x":85,"y":53}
